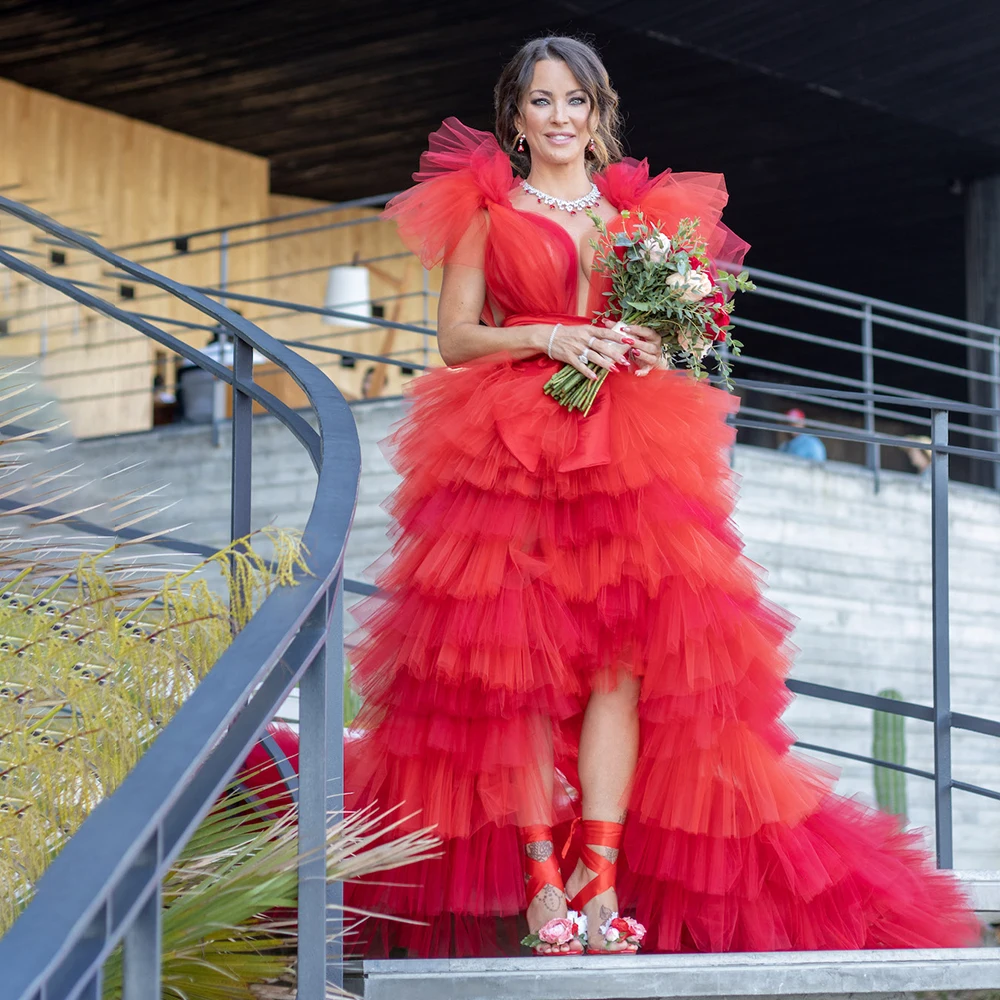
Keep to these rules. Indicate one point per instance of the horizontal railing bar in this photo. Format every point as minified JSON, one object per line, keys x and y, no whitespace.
{"x":860,"y":700}
{"x":877,"y":352}
{"x":888,"y":765}
{"x":270,"y":238}
{"x":886,"y":440}
{"x":912,"y":710}
{"x":291,"y":309}
{"x":313,"y":310}
{"x":22,"y":251}
{"x":875,"y":303}
{"x":964,"y":786}
{"x":360,"y":587}
{"x":828,"y":307}
{"x":144,"y":390}
{"x":300,"y":273}
{"x":53,"y":241}
{"x":990,"y":346}
{"x":378,"y":358}
{"x":975,"y":724}
{"x":367,"y":202}
{"x":786,"y":369}
{"x":928,"y":402}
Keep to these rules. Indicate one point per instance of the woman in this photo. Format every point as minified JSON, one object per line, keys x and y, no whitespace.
{"x":568,"y":599}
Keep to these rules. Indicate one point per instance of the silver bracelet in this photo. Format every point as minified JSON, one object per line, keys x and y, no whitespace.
{"x":548,"y":350}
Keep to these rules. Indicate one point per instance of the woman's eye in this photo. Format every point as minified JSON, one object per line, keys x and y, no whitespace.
{"x":539,"y":101}
{"x":578,"y":100}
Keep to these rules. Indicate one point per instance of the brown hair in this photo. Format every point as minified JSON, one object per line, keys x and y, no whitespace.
{"x":585,"y":64}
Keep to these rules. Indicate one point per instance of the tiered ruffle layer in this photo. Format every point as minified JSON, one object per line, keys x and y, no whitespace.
{"x":513,"y":588}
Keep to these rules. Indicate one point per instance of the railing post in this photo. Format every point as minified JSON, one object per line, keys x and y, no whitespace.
{"x":141,"y":957}
{"x":242,"y":444}
{"x":873,"y":451}
{"x":335,"y":803}
{"x":219,"y":394}
{"x":942,"y":646}
{"x":321,"y":749}
{"x":995,"y":406}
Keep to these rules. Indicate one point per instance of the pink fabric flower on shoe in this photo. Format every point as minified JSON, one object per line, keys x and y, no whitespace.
{"x":617,"y":928}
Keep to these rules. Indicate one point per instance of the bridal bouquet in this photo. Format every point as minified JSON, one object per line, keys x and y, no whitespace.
{"x":667,"y":283}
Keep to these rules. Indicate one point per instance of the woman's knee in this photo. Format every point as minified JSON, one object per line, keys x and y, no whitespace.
{"x":616,"y":691}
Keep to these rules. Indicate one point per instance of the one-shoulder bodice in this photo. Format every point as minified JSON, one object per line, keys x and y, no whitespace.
{"x":460,"y":212}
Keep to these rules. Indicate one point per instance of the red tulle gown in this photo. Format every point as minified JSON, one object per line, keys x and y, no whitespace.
{"x":535,"y":549}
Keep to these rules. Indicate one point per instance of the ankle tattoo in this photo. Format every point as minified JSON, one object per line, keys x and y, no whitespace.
{"x":611,"y":853}
{"x":539,"y":850}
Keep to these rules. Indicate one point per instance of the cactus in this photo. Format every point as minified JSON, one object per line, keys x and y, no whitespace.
{"x":889,"y":744}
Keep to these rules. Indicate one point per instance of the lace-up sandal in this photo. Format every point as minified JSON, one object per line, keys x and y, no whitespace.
{"x":615,"y":928}
{"x":541,"y":873}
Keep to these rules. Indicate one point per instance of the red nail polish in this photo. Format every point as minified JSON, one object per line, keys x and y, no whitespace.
{"x":636,"y":353}
{"x":627,"y":340}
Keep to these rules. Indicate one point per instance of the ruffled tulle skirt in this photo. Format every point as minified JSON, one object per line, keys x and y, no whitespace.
{"x":536,"y":554}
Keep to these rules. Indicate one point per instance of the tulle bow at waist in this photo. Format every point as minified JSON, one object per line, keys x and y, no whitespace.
{"x":532,"y":424}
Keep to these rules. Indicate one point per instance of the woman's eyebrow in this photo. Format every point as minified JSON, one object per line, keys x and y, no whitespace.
{"x":548,"y":93}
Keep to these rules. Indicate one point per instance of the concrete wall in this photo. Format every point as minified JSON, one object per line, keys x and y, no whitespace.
{"x":852,"y":564}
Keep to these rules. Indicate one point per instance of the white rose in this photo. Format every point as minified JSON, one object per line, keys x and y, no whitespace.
{"x":694,"y":286}
{"x":656,"y":247}
{"x":611,"y":935}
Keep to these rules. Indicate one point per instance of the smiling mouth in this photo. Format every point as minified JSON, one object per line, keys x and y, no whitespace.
{"x":559,"y":136}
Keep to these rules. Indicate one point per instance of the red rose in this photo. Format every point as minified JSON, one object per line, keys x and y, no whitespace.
{"x":721,"y":319}
{"x":621,"y":925}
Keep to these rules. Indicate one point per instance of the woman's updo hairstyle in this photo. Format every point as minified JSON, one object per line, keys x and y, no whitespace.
{"x":585,"y":64}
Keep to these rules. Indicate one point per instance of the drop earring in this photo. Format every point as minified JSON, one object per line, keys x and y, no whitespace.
{"x":520,"y":142}
{"x":591,"y":147}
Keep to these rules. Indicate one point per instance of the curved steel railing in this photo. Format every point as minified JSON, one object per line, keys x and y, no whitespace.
{"x":104,"y":887}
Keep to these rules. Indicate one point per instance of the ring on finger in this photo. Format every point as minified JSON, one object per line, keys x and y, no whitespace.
{"x":590,"y":343}
{"x":583,"y":356}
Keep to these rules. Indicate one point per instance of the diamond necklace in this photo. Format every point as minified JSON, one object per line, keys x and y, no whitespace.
{"x":591,"y":198}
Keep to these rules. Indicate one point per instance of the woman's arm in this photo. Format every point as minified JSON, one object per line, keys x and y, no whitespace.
{"x":461,"y":338}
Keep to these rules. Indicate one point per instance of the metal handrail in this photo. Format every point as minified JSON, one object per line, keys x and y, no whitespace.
{"x":104,"y":887}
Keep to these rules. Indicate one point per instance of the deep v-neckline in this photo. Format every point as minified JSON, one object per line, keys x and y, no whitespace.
{"x":573,"y":247}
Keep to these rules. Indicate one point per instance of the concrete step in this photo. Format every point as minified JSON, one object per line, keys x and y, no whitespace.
{"x":824,"y":975}
{"x":787,"y":975}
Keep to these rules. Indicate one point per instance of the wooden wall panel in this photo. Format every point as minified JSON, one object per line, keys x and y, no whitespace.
{"x":128,"y":182}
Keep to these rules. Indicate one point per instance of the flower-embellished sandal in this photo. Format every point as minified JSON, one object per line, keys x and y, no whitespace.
{"x":541,"y":872}
{"x":615,"y":928}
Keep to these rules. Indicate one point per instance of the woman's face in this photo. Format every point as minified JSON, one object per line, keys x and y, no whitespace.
{"x":555,"y":114}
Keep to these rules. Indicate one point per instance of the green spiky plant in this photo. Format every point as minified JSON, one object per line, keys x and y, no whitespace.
{"x":98,"y":651}
{"x":889,"y":744}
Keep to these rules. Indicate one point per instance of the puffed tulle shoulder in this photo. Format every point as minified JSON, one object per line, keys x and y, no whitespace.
{"x":669,"y":197}
{"x":441,"y":218}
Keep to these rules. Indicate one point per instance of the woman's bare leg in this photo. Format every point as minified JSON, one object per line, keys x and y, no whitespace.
{"x":609,"y":749}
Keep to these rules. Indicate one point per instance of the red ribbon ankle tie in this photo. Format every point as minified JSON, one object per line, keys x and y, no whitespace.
{"x":540,"y":873}
{"x":601,"y":834}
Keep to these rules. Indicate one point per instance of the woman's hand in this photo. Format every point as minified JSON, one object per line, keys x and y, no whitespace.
{"x":606,"y":348}
{"x":645,"y":345}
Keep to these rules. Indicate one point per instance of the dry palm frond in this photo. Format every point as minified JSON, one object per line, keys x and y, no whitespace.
{"x":229,"y":930}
